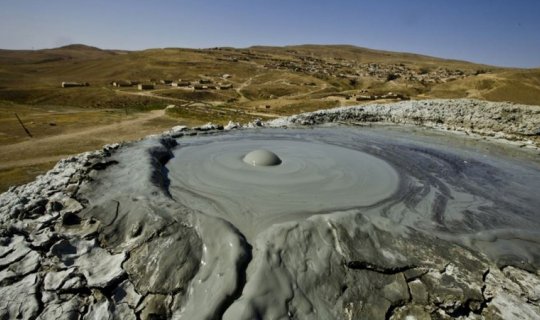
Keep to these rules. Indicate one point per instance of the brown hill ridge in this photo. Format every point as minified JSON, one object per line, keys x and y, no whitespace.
{"x":305,"y":76}
{"x":215,"y":84}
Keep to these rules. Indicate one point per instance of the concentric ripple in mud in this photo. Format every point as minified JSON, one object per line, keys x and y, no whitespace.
{"x":313,"y":177}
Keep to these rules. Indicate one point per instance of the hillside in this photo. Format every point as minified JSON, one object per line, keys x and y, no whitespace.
{"x":216,"y":84}
{"x":261,"y":76}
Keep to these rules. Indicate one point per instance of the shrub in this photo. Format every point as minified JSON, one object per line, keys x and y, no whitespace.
{"x":392,"y":76}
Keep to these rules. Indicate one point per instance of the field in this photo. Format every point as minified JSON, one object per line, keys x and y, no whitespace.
{"x":266,"y":82}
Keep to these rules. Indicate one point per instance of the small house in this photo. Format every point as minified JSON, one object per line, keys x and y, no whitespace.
{"x":67,"y":84}
{"x":365,"y":98}
{"x":122,"y":83}
{"x":180,"y":84}
{"x":145,"y":86}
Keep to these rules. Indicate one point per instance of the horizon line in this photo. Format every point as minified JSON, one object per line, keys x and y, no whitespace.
{"x":273,"y":46}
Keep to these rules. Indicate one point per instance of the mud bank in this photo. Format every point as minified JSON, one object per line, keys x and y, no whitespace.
{"x":353,"y":223}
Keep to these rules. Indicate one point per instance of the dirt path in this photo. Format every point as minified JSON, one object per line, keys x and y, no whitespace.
{"x":242,"y":97}
{"x":151,"y":95}
{"x":307,"y":94}
{"x":243,"y":85}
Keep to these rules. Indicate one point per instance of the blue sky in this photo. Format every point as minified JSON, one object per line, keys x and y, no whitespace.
{"x":496,"y":32}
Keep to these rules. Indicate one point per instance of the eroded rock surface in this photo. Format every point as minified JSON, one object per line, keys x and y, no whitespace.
{"x":488,"y":119}
{"x":112,"y":235}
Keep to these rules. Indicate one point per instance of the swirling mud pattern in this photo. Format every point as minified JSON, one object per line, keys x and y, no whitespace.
{"x":430,"y":187}
{"x":348,"y":179}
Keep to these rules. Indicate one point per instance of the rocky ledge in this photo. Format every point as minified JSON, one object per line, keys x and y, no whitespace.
{"x":497,"y":120}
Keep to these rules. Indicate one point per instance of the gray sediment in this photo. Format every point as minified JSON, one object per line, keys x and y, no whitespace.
{"x":498,"y":121}
{"x":355,"y":222}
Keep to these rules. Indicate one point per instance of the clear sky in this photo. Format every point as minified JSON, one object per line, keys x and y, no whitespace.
{"x":497,"y":32}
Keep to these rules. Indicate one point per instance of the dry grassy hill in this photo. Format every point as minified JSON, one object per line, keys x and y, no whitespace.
{"x":261,"y":75}
{"x":266,"y":82}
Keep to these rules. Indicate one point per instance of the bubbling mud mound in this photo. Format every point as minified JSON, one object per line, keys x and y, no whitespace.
{"x":321,"y":223}
{"x":262,"y":158}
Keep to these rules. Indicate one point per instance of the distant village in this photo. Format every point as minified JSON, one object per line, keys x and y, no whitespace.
{"x":200,"y":84}
{"x":382,"y":72}
{"x":350,"y":70}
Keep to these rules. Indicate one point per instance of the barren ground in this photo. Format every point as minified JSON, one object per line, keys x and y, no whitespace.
{"x":21,"y":161}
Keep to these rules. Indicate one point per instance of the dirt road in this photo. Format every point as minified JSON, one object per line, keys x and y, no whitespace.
{"x":151,"y":95}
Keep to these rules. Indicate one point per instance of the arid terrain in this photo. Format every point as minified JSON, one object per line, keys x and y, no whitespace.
{"x":305,"y":182}
{"x":217,"y":85}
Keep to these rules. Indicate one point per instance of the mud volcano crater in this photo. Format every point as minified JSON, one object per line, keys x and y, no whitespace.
{"x":334,"y":222}
{"x":374,"y":194}
{"x":437,"y":187}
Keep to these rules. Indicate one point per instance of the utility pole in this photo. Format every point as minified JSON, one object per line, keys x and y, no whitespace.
{"x":22,"y":125}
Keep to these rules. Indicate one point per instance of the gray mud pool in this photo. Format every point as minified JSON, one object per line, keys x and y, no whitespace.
{"x":457,"y":190}
{"x":393,"y":197}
